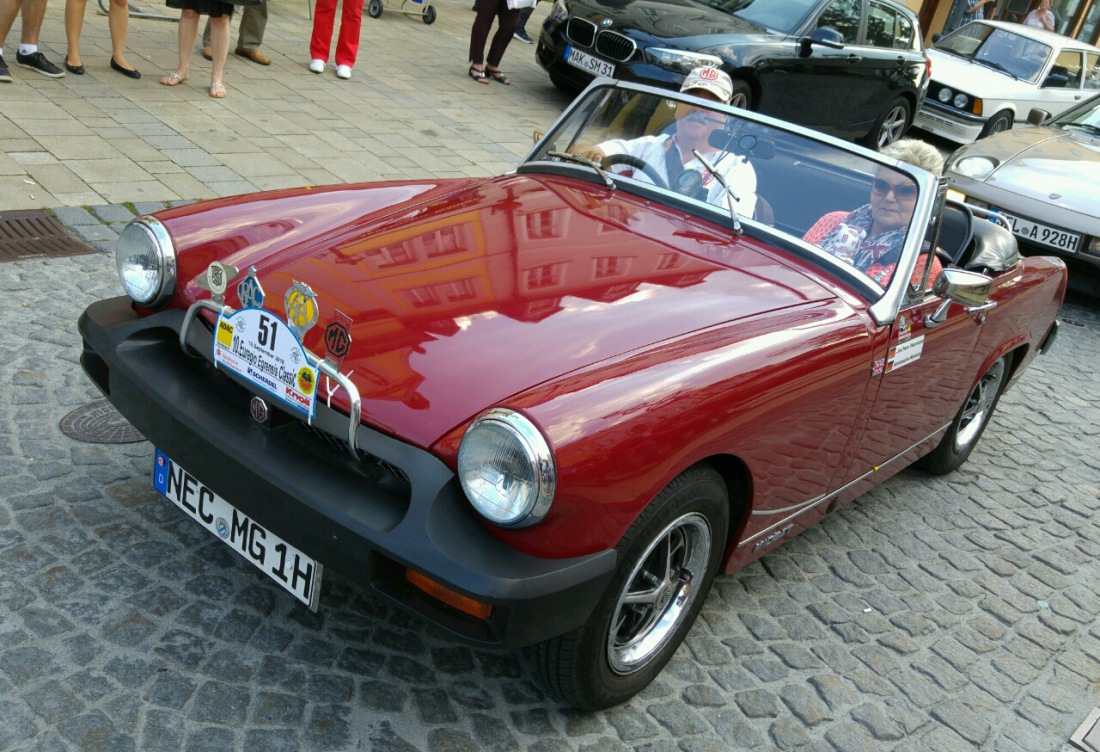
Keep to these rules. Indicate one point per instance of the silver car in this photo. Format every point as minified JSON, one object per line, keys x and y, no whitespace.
{"x":1045,"y":180}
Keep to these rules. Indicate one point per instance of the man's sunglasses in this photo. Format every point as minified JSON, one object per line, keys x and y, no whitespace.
{"x":901,"y":190}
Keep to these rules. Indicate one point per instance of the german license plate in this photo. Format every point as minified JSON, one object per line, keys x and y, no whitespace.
{"x":1042,"y":234}
{"x":295,"y":572}
{"x":589,"y":63}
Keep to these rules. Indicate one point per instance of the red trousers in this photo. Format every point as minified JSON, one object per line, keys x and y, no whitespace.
{"x":347,"y":45}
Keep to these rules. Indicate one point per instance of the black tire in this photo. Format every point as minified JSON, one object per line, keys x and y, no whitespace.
{"x":891,"y":124}
{"x":742,"y":94}
{"x":999,"y":123}
{"x":374,"y":8}
{"x":969,"y":423}
{"x":680,"y":536}
{"x":429,"y":16}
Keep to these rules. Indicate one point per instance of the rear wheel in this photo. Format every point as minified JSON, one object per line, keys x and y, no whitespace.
{"x":890,"y":126}
{"x":429,"y":15}
{"x":999,"y":123}
{"x":374,"y":8}
{"x":969,"y":422}
{"x":667,"y":561}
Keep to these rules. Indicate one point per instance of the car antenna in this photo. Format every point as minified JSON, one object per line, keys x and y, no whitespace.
{"x":737,"y":228}
{"x":578,"y":159}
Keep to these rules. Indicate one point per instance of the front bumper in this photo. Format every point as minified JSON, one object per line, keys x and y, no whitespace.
{"x":961,"y":129}
{"x":398,"y":507}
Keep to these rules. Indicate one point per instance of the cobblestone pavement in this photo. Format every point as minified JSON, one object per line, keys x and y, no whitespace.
{"x":934,"y":614}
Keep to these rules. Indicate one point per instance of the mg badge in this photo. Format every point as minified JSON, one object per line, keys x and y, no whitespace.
{"x":338,"y":338}
{"x":216,"y":279}
{"x":258,"y":408}
{"x":301,"y":308}
{"x":249,"y":291}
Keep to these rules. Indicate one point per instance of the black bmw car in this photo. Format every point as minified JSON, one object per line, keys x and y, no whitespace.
{"x":853,"y":68}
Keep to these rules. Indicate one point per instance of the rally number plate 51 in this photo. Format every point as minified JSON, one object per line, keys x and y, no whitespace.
{"x":295,"y":572}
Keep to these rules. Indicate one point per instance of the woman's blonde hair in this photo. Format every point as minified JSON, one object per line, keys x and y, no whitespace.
{"x":917,"y":153}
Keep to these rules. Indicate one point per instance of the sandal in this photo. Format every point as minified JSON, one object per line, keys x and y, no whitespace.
{"x":217,"y":91}
{"x":497,"y":75}
{"x":477,"y":75}
{"x":172,"y":79}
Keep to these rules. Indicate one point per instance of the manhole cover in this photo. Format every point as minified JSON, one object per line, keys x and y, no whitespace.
{"x":99,"y":423}
{"x":35,"y":234}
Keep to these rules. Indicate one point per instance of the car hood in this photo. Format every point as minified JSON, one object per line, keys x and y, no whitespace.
{"x":464,"y":293}
{"x":670,"y":19}
{"x":973,"y":78}
{"x":1050,"y":165}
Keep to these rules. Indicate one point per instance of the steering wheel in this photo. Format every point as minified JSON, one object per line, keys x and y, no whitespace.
{"x":638,"y":164}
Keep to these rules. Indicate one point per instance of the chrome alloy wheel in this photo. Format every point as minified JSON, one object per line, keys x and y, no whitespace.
{"x":893,"y":125}
{"x":659,"y":593}
{"x":979,"y":405}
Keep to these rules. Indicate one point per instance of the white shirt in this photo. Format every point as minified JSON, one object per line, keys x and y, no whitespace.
{"x":738,"y":174}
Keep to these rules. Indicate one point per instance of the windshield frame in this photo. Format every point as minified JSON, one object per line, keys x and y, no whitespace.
{"x":883,"y":302}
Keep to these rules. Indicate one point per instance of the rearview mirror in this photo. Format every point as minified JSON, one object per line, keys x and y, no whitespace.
{"x":965,"y":288}
{"x":1038,"y":116}
{"x":825,"y":35}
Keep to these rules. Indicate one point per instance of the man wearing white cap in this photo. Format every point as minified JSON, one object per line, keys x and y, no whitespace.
{"x":673,"y":153}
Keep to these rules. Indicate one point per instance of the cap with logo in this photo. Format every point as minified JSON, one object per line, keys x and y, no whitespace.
{"x":711,"y":79}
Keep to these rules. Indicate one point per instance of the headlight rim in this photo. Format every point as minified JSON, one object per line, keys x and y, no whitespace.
{"x":165,"y":252}
{"x":654,"y":54}
{"x":539,"y":455}
{"x":991,"y":164}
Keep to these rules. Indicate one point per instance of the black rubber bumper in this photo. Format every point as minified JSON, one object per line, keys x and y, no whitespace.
{"x":397,"y":507}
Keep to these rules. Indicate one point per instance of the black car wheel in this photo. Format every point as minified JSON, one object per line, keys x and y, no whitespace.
{"x":374,"y":8}
{"x":667,"y":561}
{"x":742,"y":95}
{"x":890,"y":126}
{"x":969,"y":423}
{"x":999,"y":123}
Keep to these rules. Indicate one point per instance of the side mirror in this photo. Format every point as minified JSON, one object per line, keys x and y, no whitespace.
{"x":1055,"y":81}
{"x":965,"y":288}
{"x":968,"y":289}
{"x":825,"y":35}
{"x":1038,"y":116}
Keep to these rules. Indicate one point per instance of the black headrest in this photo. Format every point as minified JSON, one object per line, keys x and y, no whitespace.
{"x":995,"y":248}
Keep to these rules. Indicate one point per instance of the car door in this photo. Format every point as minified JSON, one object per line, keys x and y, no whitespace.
{"x":1053,"y":97}
{"x":886,"y":66}
{"x":819,"y":78}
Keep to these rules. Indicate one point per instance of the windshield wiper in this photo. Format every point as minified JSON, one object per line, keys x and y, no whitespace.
{"x":578,"y":159}
{"x":996,"y":66}
{"x":737,"y":228}
{"x":1086,"y":127}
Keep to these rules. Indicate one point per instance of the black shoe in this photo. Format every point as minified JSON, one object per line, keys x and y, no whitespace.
{"x":5,"y":74}
{"x":131,"y":72}
{"x":77,"y":70}
{"x":521,"y":35}
{"x":36,"y":61}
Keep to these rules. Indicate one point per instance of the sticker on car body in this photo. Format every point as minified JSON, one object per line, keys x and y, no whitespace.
{"x":904,"y":353}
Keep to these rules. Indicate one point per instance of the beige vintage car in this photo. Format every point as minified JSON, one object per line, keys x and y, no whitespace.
{"x":1044,"y":180}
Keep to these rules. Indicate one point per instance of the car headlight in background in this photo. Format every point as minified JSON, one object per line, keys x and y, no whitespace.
{"x":960,"y":101}
{"x":975,"y":167}
{"x":506,"y":469}
{"x":680,"y":61}
{"x":945,"y":95}
{"x":146,"y":262}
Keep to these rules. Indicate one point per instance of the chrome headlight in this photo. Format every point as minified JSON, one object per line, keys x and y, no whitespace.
{"x":975,"y":167}
{"x":680,"y":61}
{"x":960,"y":101}
{"x":146,"y":262}
{"x":506,"y":469}
{"x":558,"y":12}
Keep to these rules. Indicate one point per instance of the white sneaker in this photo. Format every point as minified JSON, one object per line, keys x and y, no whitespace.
{"x":317,"y":66}
{"x":343,"y":71}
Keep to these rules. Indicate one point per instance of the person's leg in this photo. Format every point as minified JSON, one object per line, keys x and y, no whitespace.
{"x":74,"y":25}
{"x":253,"y":22}
{"x":524,"y":15}
{"x":507,"y":20}
{"x":186,"y":33}
{"x":33,"y":12}
{"x":351,"y":22}
{"x":219,"y":43}
{"x":479,"y":32}
{"x":118,"y":20}
{"x":320,"y":42}
{"x":206,"y":34}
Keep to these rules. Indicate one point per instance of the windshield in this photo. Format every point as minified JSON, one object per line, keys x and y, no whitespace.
{"x":1086,"y":116}
{"x":684,"y":151}
{"x":780,"y":15}
{"x":1002,"y":50}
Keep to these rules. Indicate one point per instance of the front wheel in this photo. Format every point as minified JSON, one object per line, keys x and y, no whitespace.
{"x":374,"y":8}
{"x":999,"y":123}
{"x":429,"y":16}
{"x":742,"y":95}
{"x":667,"y":561}
{"x":890,"y":126}
{"x":969,"y":422}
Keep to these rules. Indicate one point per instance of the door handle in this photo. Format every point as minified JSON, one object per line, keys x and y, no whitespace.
{"x":854,"y":58}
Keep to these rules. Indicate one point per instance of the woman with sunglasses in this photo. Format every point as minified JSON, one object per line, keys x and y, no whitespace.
{"x":871,"y":237}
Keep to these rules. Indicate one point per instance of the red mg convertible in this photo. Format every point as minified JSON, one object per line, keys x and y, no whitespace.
{"x":548,"y":408}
